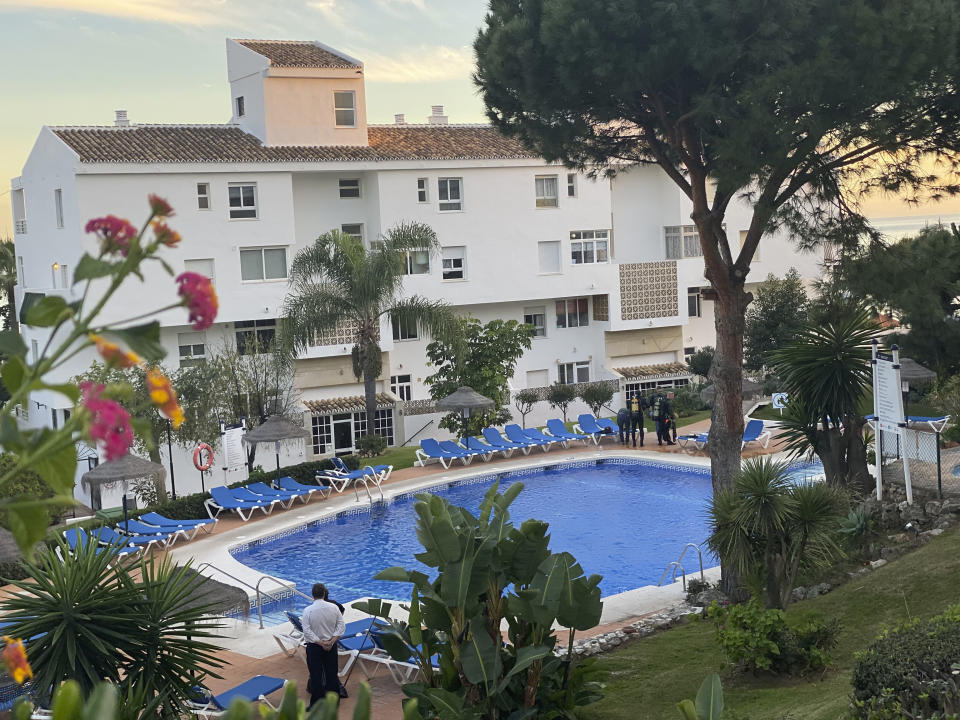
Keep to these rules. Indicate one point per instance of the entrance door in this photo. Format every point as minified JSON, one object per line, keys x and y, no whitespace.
{"x":343,"y":434}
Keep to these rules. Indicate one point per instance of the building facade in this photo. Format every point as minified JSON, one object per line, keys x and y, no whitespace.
{"x":608,"y":271}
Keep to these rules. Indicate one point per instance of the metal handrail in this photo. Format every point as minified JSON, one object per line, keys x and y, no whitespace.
{"x":281,"y":584}
{"x":676,"y":564}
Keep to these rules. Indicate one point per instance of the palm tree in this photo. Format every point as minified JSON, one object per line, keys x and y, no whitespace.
{"x":8,"y":281}
{"x":826,"y":370}
{"x":766,"y":528}
{"x":337,"y":283}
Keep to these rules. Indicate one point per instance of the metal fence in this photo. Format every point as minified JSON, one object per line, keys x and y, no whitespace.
{"x":917,"y":455}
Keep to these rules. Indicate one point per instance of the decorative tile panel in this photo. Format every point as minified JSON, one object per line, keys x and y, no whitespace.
{"x":648,"y":290}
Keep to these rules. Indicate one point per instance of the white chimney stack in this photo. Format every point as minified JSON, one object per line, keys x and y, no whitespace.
{"x":436,"y":116}
{"x":399,"y":119}
{"x":121,"y":120}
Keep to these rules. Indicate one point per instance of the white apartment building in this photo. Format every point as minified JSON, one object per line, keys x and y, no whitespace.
{"x":608,"y":271}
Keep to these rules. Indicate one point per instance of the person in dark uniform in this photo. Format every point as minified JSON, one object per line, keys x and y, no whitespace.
{"x":664,"y":414}
{"x":673,"y":417}
{"x":623,"y":422}
{"x":637,"y":405}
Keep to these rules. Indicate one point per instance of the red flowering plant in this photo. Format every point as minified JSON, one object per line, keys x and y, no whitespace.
{"x":98,"y":415}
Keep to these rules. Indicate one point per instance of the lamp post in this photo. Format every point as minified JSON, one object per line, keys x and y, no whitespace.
{"x":173,"y":482}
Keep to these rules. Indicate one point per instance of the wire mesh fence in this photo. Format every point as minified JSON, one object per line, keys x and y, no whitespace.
{"x":916,"y":454}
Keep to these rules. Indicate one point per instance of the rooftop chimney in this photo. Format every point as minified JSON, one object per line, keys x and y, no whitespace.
{"x":436,"y":116}
{"x":399,"y":119}
{"x":121,"y":120}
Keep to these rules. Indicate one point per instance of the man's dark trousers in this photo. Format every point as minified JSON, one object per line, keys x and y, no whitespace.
{"x":323,"y":666}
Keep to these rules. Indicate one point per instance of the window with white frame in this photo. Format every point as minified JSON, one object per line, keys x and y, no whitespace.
{"x":345,"y":108}
{"x":571,"y":184}
{"x":242,"y":198}
{"x":639,"y":388}
{"x":354,"y":230}
{"x":573,"y":312}
{"x":322,"y":431}
{"x":255,"y":336}
{"x":400,"y":386}
{"x":548,"y":255}
{"x":450,"y":194}
{"x":201,"y":266}
{"x":58,"y":206}
{"x":260,"y":264}
{"x":34,"y":351}
{"x":241,"y":110}
{"x":693,"y":302}
{"x":203,"y":196}
{"x":418,"y":262}
{"x":743,"y":239}
{"x":546,"y":190}
{"x":60,"y":276}
{"x":403,"y":330}
{"x":536,"y":317}
{"x":589,"y":246}
{"x":573,"y":372}
{"x":22,"y":273}
{"x":19,"y":211}
{"x":682,"y":241}
{"x":382,"y":425}
{"x":423,"y":190}
{"x":193,"y":348}
{"x":454,"y":262}
{"x":349,"y":187}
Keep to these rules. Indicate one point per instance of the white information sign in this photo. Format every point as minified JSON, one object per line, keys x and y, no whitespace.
{"x":888,"y":398}
{"x":233,"y":453}
{"x":779,"y":400}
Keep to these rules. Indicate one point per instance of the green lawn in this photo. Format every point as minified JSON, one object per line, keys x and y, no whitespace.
{"x":657,"y":672}
{"x":915,"y":407}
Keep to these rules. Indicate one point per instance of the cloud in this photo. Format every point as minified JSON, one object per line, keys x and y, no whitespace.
{"x":177,"y":12}
{"x":418,"y":65}
{"x":393,"y":6}
{"x":331,"y":11}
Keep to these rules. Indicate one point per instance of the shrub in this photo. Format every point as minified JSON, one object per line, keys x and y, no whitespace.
{"x":686,"y":401}
{"x":11,"y":570}
{"x":596,"y":395}
{"x":856,"y":527}
{"x":695,"y":586}
{"x":524,"y":402}
{"x":907,"y":671}
{"x":760,"y":640}
{"x":560,"y":396}
{"x":25,"y":484}
{"x":700,"y":362}
{"x":371,"y":445}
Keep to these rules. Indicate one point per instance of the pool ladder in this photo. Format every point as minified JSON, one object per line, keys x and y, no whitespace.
{"x":256,"y":588}
{"x":676,"y":566}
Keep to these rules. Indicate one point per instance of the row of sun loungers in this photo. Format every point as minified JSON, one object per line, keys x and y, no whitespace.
{"x":753,"y":432}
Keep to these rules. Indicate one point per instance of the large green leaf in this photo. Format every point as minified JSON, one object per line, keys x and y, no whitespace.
{"x":28,"y":522}
{"x":57,"y":468}
{"x":448,"y":705}
{"x":90,"y":268}
{"x":436,"y":532}
{"x":143,"y":339}
{"x":710,"y":698}
{"x":47,"y":311}
{"x":69,"y":390}
{"x":11,"y":344}
{"x":13,"y":373}
{"x":480,"y":657}
{"x":526,"y":656}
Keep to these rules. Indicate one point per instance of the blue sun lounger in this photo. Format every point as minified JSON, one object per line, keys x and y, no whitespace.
{"x":382,"y":470}
{"x":559,"y":430}
{"x":430,"y":450}
{"x":452,"y":447}
{"x":288,"y":483}
{"x":167,"y":524}
{"x":260,"y":488}
{"x":256,"y":688}
{"x":609,"y":424}
{"x":109,"y":536}
{"x":537,"y":436}
{"x":78,"y":538}
{"x":222,"y":499}
{"x":137,"y":528}
{"x":402,"y":671}
{"x":475,"y":443}
{"x":589,"y":425}
{"x":517,"y":434}
{"x":493,"y":436}
{"x":244,"y":493}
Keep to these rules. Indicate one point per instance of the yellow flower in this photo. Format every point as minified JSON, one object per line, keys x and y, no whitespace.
{"x":164,"y":397}
{"x":113,"y":354}
{"x":14,"y":658}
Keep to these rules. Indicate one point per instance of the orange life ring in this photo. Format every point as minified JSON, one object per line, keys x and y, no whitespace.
{"x":198,"y":463}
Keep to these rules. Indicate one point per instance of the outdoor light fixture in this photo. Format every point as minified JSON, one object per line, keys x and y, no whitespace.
{"x":56,"y":266}
{"x":912,"y":527}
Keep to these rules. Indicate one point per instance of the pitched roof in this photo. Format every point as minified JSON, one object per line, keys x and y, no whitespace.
{"x":297,"y":53}
{"x":348,"y":403}
{"x":642,"y":372}
{"x":229,"y":143}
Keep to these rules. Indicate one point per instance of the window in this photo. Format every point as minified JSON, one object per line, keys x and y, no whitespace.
{"x":682,"y":241}
{"x":322,"y":434}
{"x":345,"y":108}
{"x":382,"y":425}
{"x":571,"y":184}
{"x":693,"y":302}
{"x":34,"y":351}
{"x":454,"y":263}
{"x":243,"y":200}
{"x":64,"y":276}
{"x":573,"y":313}
{"x":263,"y":264}
{"x":546,"y":189}
{"x":53,"y":418}
{"x":635,"y":388}
{"x":537,"y":317}
{"x":548,"y":253}
{"x":255,"y":336}
{"x":193,"y":349}
{"x":450,"y":192}
{"x":688,"y":351}
{"x":203,"y":267}
{"x":60,"y":276}
{"x":240,"y":107}
{"x":403,"y":330}
{"x":23,"y":275}
{"x":354,"y":230}
{"x":423,"y":193}
{"x":349,"y":187}
{"x":400,"y":386}
{"x":203,"y":196}
{"x":58,"y":206}
{"x":589,"y":246}
{"x":418,"y":262}
{"x":756,"y":253}
{"x":19,"y":211}
{"x":573,"y":372}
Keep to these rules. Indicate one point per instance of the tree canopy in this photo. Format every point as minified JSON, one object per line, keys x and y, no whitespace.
{"x":778,"y":311}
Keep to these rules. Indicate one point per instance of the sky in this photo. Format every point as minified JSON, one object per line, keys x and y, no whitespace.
{"x":73,"y":62}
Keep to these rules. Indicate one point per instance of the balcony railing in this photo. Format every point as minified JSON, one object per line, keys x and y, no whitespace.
{"x":19,"y":227}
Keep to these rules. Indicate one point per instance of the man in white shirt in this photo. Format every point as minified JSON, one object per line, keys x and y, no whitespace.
{"x":322,"y":626}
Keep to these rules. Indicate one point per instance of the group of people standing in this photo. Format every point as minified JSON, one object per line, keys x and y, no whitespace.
{"x":659,"y":406}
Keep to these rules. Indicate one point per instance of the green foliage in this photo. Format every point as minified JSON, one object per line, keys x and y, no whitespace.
{"x":709,"y":704}
{"x":490,"y":572}
{"x":94,"y":619}
{"x":25,"y":483}
{"x":778,"y":311}
{"x":560,"y":396}
{"x":856,"y":528}
{"x":480,"y":356}
{"x":524,"y":400}
{"x":761,"y":640}
{"x":918,"y":279}
{"x":907,"y":671}
{"x":945,"y":395}
{"x":701,"y":360}
{"x":596,"y":395}
{"x":767,"y":528}
{"x":371,"y":445}
{"x":686,"y":401}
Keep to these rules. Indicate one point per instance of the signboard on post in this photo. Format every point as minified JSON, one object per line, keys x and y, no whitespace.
{"x":779,"y":401}
{"x":233,"y":454}
{"x":888,"y":410}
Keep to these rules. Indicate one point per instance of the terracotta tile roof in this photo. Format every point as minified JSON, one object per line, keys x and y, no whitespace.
{"x":653,"y":371}
{"x":350,"y":403}
{"x":297,"y":53}
{"x":228,"y":143}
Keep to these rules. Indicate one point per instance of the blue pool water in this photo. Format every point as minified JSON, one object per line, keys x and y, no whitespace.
{"x":623,"y":520}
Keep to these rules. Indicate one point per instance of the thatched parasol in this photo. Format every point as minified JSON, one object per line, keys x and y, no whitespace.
{"x":275,"y":429}
{"x":129,"y":467}
{"x":464,"y":401}
{"x":916,"y":374}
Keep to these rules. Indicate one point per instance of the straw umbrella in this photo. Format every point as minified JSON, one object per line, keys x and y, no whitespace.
{"x":129,"y":467}
{"x":275,"y":430}
{"x":465,"y":400}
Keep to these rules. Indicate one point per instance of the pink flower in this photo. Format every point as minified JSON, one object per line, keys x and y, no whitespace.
{"x":115,"y":233}
{"x":165,"y":235}
{"x":198,"y":295}
{"x":159,"y":207}
{"x":110,"y":423}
